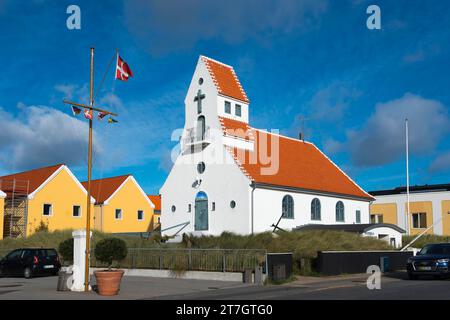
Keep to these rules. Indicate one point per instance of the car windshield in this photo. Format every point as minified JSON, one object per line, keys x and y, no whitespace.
{"x":436,"y":249}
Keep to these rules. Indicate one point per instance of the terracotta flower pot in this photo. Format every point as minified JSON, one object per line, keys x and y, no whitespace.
{"x":108,"y":282}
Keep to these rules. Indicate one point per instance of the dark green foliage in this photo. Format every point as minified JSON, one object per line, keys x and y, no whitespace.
{"x":65,"y":249}
{"x":42,"y":227}
{"x":111,"y":250}
{"x":425,"y":239}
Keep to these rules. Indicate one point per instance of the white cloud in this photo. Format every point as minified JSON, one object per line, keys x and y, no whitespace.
{"x":332,"y":102}
{"x":382,"y":138}
{"x":39,"y":136}
{"x":440,"y":164}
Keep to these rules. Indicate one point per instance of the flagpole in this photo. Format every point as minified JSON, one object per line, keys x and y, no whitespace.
{"x":89,"y":108}
{"x":88,"y":215}
{"x":407,"y":178}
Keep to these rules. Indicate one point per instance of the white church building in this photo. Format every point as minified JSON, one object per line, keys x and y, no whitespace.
{"x":229,"y":176}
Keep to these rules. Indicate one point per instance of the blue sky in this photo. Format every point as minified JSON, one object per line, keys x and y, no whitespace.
{"x":312,"y":58}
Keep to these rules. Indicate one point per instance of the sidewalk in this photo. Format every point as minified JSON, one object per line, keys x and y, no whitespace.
{"x":132,"y":288}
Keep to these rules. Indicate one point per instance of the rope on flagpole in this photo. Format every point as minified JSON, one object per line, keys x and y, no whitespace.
{"x":106,"y":73}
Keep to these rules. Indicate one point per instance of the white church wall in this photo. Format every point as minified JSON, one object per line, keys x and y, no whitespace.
{"x":209,"y":103}
{"x":221,"y":109}
{"x":222,"y":182}
{"x":268,"y":209}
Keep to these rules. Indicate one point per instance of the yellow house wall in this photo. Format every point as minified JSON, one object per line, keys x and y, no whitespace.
{"x":387,"y":210}
{"x":2,"y":216}
{"x":62,"y":192}
{"x":417,"y":207}
{"x":130,"y":200}
{"x":446,"y":217}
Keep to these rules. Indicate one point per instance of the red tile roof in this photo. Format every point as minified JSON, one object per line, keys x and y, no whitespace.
{"x":30,"y":180}
{"x":103,"y":189}
{"x":225,"y":79}
{"x":300,"y":165}
{"x":156,"y":200}
{"x":236,"y":128}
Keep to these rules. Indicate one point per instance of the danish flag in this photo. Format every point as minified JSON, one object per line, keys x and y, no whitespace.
{"x":123,"y":71}
{"x":88,"y":114}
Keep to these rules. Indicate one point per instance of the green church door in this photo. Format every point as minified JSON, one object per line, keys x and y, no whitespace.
{"x":201,"y":211}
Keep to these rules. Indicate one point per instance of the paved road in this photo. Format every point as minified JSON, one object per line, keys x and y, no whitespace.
{"x":350,"y":287}
{"x":353,"y":287}
{"x":132,"y":288}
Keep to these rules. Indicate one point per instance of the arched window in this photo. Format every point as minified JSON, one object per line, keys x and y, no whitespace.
{"x":315,"y":209}
{"x":340,"y":212}
{"x":201,"y":128}
{"x":288,"y":207}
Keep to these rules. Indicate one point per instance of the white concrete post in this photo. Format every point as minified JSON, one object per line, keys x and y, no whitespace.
{"x":79,"y":255}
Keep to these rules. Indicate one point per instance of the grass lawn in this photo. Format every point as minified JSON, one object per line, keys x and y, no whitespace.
{"x":303,"y":245}
{"x":425,"y":239}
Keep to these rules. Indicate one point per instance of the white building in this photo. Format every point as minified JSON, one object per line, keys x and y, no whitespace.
{"x":429,"y":208}
{"x":231,"y":177}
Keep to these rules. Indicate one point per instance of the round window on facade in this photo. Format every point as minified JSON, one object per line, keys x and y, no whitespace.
{"x":200,"y":81}
{"x":201,"y":167}
{"x":233,"y":204}
{"x":174,"y":208}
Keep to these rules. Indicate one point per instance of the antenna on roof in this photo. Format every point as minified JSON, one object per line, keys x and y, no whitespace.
{"x":301,"y":135}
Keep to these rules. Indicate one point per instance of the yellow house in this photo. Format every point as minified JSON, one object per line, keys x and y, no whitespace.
{"x":121,"y":205}
{"x":50,"y":198}
{"x":156,"y":200}
{"x":429,"y":208}
{"x":2,"y":212}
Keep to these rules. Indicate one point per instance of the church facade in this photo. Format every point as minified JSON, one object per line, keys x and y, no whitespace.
{"x":229,"y":176}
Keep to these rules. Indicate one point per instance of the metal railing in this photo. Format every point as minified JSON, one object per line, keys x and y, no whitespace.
{"x":192,"y":136}
{"x":222,"y":260}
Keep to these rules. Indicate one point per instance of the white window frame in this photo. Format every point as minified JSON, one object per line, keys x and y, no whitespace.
{"x":226,"y":103}
{"x":121,"y":214}
{"x":377,"y":217}
{"x":80,"y":211}
{"x":143,"y":215}
{"x":356,"y":216}
{"x":51,"y":210}
{"x":236,"y":108}
{"x":418,"y":220}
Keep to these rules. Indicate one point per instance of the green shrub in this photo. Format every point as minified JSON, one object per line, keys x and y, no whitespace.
{"x":65,"y":249}
{"x":424,"y":240}
{"x":42,"y":227}
{"x":111,"y":250}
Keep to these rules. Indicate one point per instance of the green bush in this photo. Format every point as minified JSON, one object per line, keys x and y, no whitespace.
{"x":42,"y":227}
{"x":65,"y":249}
{"x":424,"y":240}
{"x":111,"y":250}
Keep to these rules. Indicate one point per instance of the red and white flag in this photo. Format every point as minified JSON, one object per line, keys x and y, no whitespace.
{"x":123,"y":71}
{"x":101,"y":115}
{"x":88,"y":114}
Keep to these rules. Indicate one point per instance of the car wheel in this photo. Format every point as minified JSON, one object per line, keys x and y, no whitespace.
{"x":27,"y":273}
{"x":412,"y":276}
{"x":2,"y":274}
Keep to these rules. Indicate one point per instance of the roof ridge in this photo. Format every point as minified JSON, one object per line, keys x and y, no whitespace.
{"x":216,"y":61}
{"x":35,"y":169}
{"x":113,"y":177}
{"x":342,"y":171}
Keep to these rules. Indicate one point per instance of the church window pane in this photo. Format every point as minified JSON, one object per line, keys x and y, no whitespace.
{"x":340,"y":213}
{"x":288,"y":207}
{"x":315,"y":209}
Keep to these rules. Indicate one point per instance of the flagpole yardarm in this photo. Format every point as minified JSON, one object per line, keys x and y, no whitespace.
{"x":88,"y":111}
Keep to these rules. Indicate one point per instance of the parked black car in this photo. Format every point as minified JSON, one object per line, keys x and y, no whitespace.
{"x":29,"y":262}
{"x":433,"y":260}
